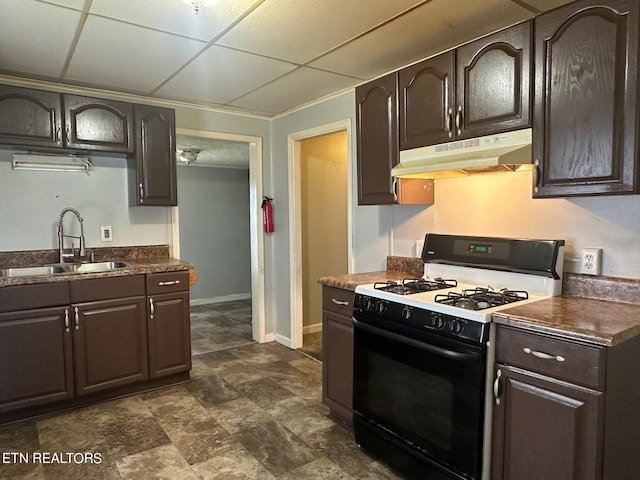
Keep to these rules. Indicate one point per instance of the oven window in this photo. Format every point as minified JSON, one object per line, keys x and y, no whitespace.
{"x":428,"y":400}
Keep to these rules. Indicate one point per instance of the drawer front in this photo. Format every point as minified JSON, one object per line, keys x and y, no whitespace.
{"x":575,"y":363}
{"x":95,"y":289}
{"x":337,"y":300}
{"x":26,"y":297}
{"x":167,"y":282}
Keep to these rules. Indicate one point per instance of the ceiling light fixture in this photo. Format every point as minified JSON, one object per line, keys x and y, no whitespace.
{"x":188,"y":155}
{"x":198,"y":5}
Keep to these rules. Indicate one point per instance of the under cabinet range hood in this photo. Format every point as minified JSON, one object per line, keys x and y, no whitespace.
{"x":508,"y":151}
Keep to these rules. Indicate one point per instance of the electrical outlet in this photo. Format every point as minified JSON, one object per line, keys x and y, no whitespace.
{"x":591,"y":261}
{"x":419,"y":247}
{"x":106,"y":233}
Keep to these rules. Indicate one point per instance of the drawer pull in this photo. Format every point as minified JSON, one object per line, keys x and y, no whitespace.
{"x":340,"y":302}
{"x":167,"y":284}
{"x":544,"y":356}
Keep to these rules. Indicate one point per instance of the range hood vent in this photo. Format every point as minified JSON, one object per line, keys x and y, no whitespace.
{"x":509,"y":151}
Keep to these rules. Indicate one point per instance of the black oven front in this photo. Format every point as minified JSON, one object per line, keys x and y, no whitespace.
{"x":419,"y":392}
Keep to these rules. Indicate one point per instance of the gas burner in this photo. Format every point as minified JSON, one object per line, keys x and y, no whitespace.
{"x":409,"y":286}
{"x":480,"y":298}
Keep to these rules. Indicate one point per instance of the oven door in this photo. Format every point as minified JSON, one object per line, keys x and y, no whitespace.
{"x":423,"y":393}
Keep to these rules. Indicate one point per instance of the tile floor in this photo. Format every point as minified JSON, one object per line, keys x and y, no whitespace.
{"x":251,"y":411}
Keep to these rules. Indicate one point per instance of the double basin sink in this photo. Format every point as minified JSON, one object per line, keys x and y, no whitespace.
{"x":57,"y":268}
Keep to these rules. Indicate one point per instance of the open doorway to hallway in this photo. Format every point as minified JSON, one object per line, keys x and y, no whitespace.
{"x":324,"y":225}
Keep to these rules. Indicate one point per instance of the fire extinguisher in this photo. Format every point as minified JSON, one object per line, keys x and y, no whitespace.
{"x":267,"y":214}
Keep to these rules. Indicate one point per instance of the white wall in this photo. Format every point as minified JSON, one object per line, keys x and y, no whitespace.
{"x":32,"y":201}
{"x":501,"y":205}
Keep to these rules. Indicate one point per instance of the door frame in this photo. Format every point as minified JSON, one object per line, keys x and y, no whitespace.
{"x":295,"y":218}
{"x":258,"y":301}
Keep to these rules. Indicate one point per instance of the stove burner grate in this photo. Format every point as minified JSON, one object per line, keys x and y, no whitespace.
{"x":409,"y":286}
{"x":480,"y":298}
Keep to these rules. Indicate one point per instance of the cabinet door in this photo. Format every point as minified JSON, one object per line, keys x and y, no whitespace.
{"x":98,"y":125}
{"x":337,"y":365}
{"x":493,"y":81}
{"x":110,"y":344}
{"x":169,"y":334}
{"x":585,"y":117}
{"x":543,"y":428}
{"x":377,"y":137}
{"x":36,"y":358}
{"x":30,"y":117}
{"x":426,"y":92}
{"x":155,"y":156}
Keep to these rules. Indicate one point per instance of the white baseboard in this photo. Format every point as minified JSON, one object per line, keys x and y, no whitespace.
{"x":224,"y":298}
{"x":269,"y":337}
{"x":316,"y":327}
{"x":286,"y":341}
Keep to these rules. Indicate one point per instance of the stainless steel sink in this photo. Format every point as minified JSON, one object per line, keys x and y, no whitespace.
{"x":57,"y":268}
{"x":96,"y":267}
{"x":30,"y":271}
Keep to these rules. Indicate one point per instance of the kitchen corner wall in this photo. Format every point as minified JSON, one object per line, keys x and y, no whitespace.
{"x":32,"y":201}
{"x":501,"y":205}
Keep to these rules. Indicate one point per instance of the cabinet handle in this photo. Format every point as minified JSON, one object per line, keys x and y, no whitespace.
{"x":544,"y":356}
{"x":536,"y":175}
{"x":339,"y":302}
{"x":68,"y":133}
{"x":56,"y":134}
{"x":496,"y":386}
{"x":66,"y":320}
{"x":141,"y":188}
{"x":448,"y":122}
{"x":77,"y":319}
{"x":394,"y":189}
{"x":152,"y":308}
{"x":459,"y":119}
{"x":166,"y":284}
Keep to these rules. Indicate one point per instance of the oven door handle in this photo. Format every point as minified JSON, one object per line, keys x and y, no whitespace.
{"x":442,"y":352}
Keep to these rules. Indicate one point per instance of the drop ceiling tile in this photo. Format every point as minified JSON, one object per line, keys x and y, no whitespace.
{"x":300,"y":31}
{"x":433,"y":28}
{"x":221,"y":74}
{"x":75,"y":4}
{"x":301,"y":86}
{"x":124,"y":56}
{"x":40,"y":50}
{"x":173,"y":15}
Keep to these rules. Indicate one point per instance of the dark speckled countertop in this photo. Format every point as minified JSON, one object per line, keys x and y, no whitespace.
{"x":397,"y":269}
{"x":141,"y":260}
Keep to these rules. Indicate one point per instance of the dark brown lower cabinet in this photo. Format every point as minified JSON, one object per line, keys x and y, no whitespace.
{"x":545,"y":428}
{"x":36,"y":358}
{"x":110,"y":344}
{"x":337,"y":353}
{"x":169,"y":334}
{"x":565,"y":410}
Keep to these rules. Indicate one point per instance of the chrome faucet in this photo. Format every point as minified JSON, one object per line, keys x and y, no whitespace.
{"x":61,"y":236}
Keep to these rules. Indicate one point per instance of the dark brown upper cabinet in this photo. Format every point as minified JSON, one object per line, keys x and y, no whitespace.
{"x":480,"y":88}
{"x":97,"y":124}
{"x":377,"y":140}
{"x":154,"y":175}
{"x":28,"y":117}
{"x":585,"y":126}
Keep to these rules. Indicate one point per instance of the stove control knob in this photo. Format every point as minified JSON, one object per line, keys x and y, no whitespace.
{"x":437,"y":321}
{"x":456,"y":326}
{"x":381,"y":306}
{"x":368,"y":304}
{"x":407,"y":313}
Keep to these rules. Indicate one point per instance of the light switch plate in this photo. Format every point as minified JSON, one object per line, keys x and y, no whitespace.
{"x":106,"y":233}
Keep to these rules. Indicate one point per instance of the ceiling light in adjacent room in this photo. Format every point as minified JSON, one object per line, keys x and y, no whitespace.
{"x":198,"y":5}
{"x":188,"y":155}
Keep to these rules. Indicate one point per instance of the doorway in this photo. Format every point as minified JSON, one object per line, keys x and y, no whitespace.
{"x":255,"y":222}
{"x":320,"y":221}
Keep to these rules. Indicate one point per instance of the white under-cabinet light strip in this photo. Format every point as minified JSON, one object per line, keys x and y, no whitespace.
{"x":51,"y":163}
